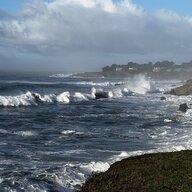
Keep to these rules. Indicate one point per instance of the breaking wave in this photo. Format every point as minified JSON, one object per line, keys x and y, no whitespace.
{"x":62,"y":148}
{"x":60,"y":75}
{"x":138,"y":85}
{"x":32,"y":99}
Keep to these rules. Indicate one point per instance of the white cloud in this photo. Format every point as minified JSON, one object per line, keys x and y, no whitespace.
{"x":82,"y":28}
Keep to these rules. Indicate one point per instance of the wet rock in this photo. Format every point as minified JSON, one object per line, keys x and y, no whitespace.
{"x":185,"y":89}
{"x":37,"y":97}
{"x":163,"y":98}
{"x":183,"y":107}
{"x":99,"y":95}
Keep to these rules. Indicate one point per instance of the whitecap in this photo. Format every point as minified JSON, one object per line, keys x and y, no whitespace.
{"x":167,"y":120}
{"x":25,"y":133}
{"x":80,"y":97}
{"x":116,"y":93}
{"x":96,"y":166}
{"x":71,"y":132}
{"x":163,"y":133}
{"x":3,"y":131}
{"x":1,"y":180}
{"x":26,"y":99}
{"x":63,"y":97}
{"x":68,"y":132}
{"x":140,"y":84}
{"x":60,"y":75}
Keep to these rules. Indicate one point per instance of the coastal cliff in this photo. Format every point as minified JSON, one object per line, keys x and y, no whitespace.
{"x":147,"y":173}
{"x":185,"y":89}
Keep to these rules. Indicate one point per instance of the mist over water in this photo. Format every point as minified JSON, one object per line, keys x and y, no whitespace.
{"x":55,"y":133}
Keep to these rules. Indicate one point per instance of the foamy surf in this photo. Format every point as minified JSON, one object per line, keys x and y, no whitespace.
{"x":83,"y":171}
{"x":138,"y":85}
{"x":70,"y":134}
{"x":61,"y":75}
{"x":25,"y":133}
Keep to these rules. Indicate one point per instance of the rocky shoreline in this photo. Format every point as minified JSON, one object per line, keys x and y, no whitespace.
{"x":167,"y":172}
{"x":183,"y":90}
{"x":147,"y":173}
{"x":124,"y":74}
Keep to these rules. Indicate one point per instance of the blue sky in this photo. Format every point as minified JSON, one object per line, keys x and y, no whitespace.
{"x":11,"y":5}
{"x":182,"y":7}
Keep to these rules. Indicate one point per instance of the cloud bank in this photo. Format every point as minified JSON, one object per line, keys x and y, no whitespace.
{"x":85,"y":35}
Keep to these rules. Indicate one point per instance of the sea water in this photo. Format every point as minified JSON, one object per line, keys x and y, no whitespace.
{"x":54,"y":134}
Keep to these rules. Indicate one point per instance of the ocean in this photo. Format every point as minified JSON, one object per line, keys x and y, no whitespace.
{"x":54,"y":134}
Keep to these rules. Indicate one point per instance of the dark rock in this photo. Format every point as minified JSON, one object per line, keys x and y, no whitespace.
{"x":185,"y":89}
{"x":99,"y":95}
{"x":37,"y":97}
{"x":118,"y":84}
{"x":153,"y":172}
{"x":163,"y":98}
{"x":183,"y":107}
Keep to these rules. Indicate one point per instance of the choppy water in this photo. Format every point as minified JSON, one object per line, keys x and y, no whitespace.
{"x":54,"y":133}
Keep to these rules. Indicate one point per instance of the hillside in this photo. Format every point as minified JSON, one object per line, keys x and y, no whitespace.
{"x":167,"y":172}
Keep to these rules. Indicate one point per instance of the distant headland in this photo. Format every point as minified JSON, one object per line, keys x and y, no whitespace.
{"x":157,"y":70}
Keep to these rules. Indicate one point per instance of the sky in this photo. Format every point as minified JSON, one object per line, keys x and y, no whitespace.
{"x":86,"y":35}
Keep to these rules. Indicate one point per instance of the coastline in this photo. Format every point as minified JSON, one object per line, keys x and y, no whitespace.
{"x":163,"y":171}
{"x":168,"y":171}
{"x":124,"y":74}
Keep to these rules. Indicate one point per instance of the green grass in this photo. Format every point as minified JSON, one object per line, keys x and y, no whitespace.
{"x":161,"y":172}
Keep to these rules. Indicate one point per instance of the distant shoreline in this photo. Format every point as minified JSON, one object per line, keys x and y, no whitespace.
{"x":159,"y":70}
{"x":155,"y":76}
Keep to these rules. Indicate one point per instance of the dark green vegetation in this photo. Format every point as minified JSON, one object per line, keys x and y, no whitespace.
{"x":185,"y":89}
{"x":161,"y":172}
{"x":157,"y":70}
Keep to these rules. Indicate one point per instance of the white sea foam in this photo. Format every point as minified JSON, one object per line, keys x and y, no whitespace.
{"x":80,"y":97}
{"x":68,"y":132}
{"x":163,"y":133}
{"x":181,"y":99}
{"x":71,"y":175}
{"x":63,"y":97}
{"x":167,"y":120}
{"x":96,"y":166}
{"x":75,"y":152}
{"x":20,"y":100}
{"x":32,"y":99}
{"x":3,"y":131}
{"x":117,"y":93}
{"x":100,"y":84}
{"x":126,"y":92}
{"x":125,"y":154}
{"x":139,"y":84}
{"x":1,"y":180}
{"x":25,"y":133}
{"x":93,"y":91}
{"x":59,"y":75}
{"x":110,"y":94}
{"x":71,"y":132}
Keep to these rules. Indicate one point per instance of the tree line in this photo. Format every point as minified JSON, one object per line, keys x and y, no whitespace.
{"x":157,"y":67}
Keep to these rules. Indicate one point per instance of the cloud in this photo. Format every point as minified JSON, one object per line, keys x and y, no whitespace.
{"x":95,"y":30}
